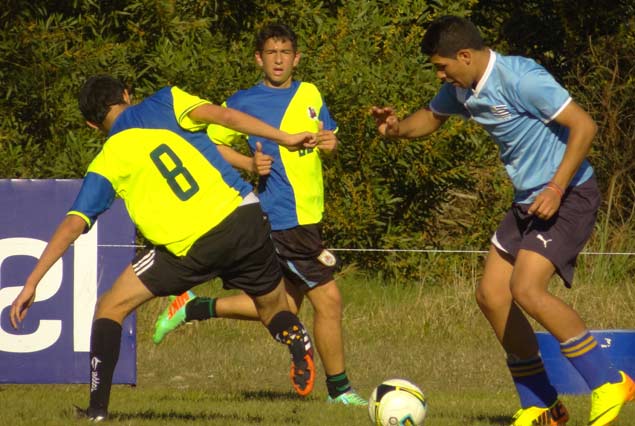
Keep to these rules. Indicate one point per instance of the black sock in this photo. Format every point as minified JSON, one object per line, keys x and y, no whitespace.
{"x":286,"y":328}
{"x":200,"y":309}
{"x":337,"y":384}
{"x":105,"y":342}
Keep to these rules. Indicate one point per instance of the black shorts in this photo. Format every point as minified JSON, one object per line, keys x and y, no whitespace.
{"x":303,"y":257}
{"x":239,"y":250}
{"x":559,"y":239}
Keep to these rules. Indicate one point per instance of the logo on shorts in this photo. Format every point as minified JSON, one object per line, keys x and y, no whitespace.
{"x":327,"y":258}
{"x":544,"y":242}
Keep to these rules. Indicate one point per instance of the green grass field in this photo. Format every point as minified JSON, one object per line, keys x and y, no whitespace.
{"x":223,"y":372}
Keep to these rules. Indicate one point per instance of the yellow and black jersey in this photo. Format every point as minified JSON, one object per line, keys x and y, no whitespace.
{"x":175,"y":184}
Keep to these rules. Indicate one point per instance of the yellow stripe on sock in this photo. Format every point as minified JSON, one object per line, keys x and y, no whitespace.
{"x":589,"y":340}
{"x":582,"y":351}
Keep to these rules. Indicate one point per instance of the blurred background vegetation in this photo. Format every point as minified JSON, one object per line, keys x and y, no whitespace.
{"x":446,"y":192}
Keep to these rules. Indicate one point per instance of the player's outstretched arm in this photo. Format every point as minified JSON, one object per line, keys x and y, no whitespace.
{"x":421,"y":123}
{"x":66,"y":233}
{"x":245,"y":123}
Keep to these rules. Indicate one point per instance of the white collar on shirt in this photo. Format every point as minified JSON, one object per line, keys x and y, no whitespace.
{"x":486,"y":74}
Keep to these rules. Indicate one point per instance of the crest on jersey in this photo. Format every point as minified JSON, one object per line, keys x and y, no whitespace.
{"x":500,"y":111}
{"x":312,"y":113}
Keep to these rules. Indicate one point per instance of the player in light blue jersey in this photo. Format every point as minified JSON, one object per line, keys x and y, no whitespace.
{"x":543,"y":138}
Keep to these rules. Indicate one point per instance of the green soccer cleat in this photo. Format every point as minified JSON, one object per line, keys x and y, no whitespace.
{"x":556,"y":415}
{"x":608,"y":399}
{"x":348,"y":398}
{"x":172,"y":317}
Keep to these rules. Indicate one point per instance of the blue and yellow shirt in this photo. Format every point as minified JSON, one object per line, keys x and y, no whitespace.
{"x":516,"y":102}
{"x":293,"y":193}
{"x":175,"y":184}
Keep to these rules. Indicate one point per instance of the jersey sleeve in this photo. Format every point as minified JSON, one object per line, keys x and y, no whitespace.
{"x":95,"y":197}
{"x":183,"y":104}
{"x":446,"y":102}
{"x":541,"y":95}
{"x":326,"y":119}
{"x":222,"y":135}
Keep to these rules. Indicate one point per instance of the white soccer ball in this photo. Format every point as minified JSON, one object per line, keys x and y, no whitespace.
{"x":397,"y":402}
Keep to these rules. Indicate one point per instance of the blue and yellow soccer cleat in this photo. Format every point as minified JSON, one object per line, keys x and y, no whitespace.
{"x":608,"y":399}
{"x":556,"y":415}
{"x":172,"y":317}
{"x":348,"y":398}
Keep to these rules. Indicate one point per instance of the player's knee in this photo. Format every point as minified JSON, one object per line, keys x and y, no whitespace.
{"x":328,"y":303}
{"x":524,"y":294}
{"x":489,"y":300}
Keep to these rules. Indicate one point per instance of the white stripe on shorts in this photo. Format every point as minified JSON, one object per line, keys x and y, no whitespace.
{"x":496,"y":243}
{"x":144,"y":263}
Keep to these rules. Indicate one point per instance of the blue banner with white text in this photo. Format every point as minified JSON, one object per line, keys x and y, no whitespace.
{"x":52,"y":344}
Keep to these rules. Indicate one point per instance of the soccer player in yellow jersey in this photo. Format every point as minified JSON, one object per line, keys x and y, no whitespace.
{"x":292,"y":195}
{"x":189,"y":203}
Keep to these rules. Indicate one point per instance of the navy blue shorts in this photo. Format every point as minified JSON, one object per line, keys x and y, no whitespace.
{"x":303,"y":257}
{"x":559,"y":239}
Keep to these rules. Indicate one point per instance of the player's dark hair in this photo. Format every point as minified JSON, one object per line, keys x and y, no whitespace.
{"x":276,"y":31}
{"x":98,"y":94}
{"x":448,"y":34}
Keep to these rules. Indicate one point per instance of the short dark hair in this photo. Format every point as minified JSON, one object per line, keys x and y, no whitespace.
{"x":98,"y":94}
{"x":448,"y":34}
{"x":279,"y":31}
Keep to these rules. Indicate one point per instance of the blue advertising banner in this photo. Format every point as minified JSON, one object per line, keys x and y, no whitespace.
{"x":53,"y":343}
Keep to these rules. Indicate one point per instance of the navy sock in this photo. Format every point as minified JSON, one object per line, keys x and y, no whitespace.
{"x":532,"y":383}
{"x":589,"y":359}
{"x":105,"y":343}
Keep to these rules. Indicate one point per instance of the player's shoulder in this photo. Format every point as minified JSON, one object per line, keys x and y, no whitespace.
{"x":243,"y":96}
{"x":308,"y":87}
{"x":513,"y":67}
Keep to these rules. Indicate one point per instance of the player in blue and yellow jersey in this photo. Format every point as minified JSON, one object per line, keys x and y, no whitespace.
{"x":543,"y":138}
{"x":189,"y":203}
{"x":291,"y":191}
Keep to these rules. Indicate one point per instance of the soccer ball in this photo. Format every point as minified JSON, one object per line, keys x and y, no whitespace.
{"x":397,"y":402}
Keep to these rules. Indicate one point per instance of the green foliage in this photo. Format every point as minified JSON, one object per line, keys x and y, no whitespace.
{"x":555,"y":32}
{"x":447,"y":191}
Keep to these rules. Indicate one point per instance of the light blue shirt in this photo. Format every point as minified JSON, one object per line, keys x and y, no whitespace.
{"x":516,"y":102}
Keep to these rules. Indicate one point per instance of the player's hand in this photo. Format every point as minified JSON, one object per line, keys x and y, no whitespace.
{"x":21,"y":305}
{"x":262,"y":161}
{"x":300,"y":140}
{"x":386,"y":121}
{"x":545,"y":205}
{"x":326,"y":139}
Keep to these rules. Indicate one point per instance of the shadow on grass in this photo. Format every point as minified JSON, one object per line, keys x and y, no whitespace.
{"x":271,"y":395}
{"x":184,"y":416}
{"x":482,"y":420}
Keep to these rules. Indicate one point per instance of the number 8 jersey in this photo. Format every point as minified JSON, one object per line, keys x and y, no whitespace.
{"x":174,"y":183}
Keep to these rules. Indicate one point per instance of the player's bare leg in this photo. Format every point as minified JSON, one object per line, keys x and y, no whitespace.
{"x":529,"y":287}
{"x":494,"y":297}
{"x":538,"y":398}
{"x":327,"y":326}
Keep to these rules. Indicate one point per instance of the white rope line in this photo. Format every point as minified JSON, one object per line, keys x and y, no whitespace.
{"x":378,"y":250}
